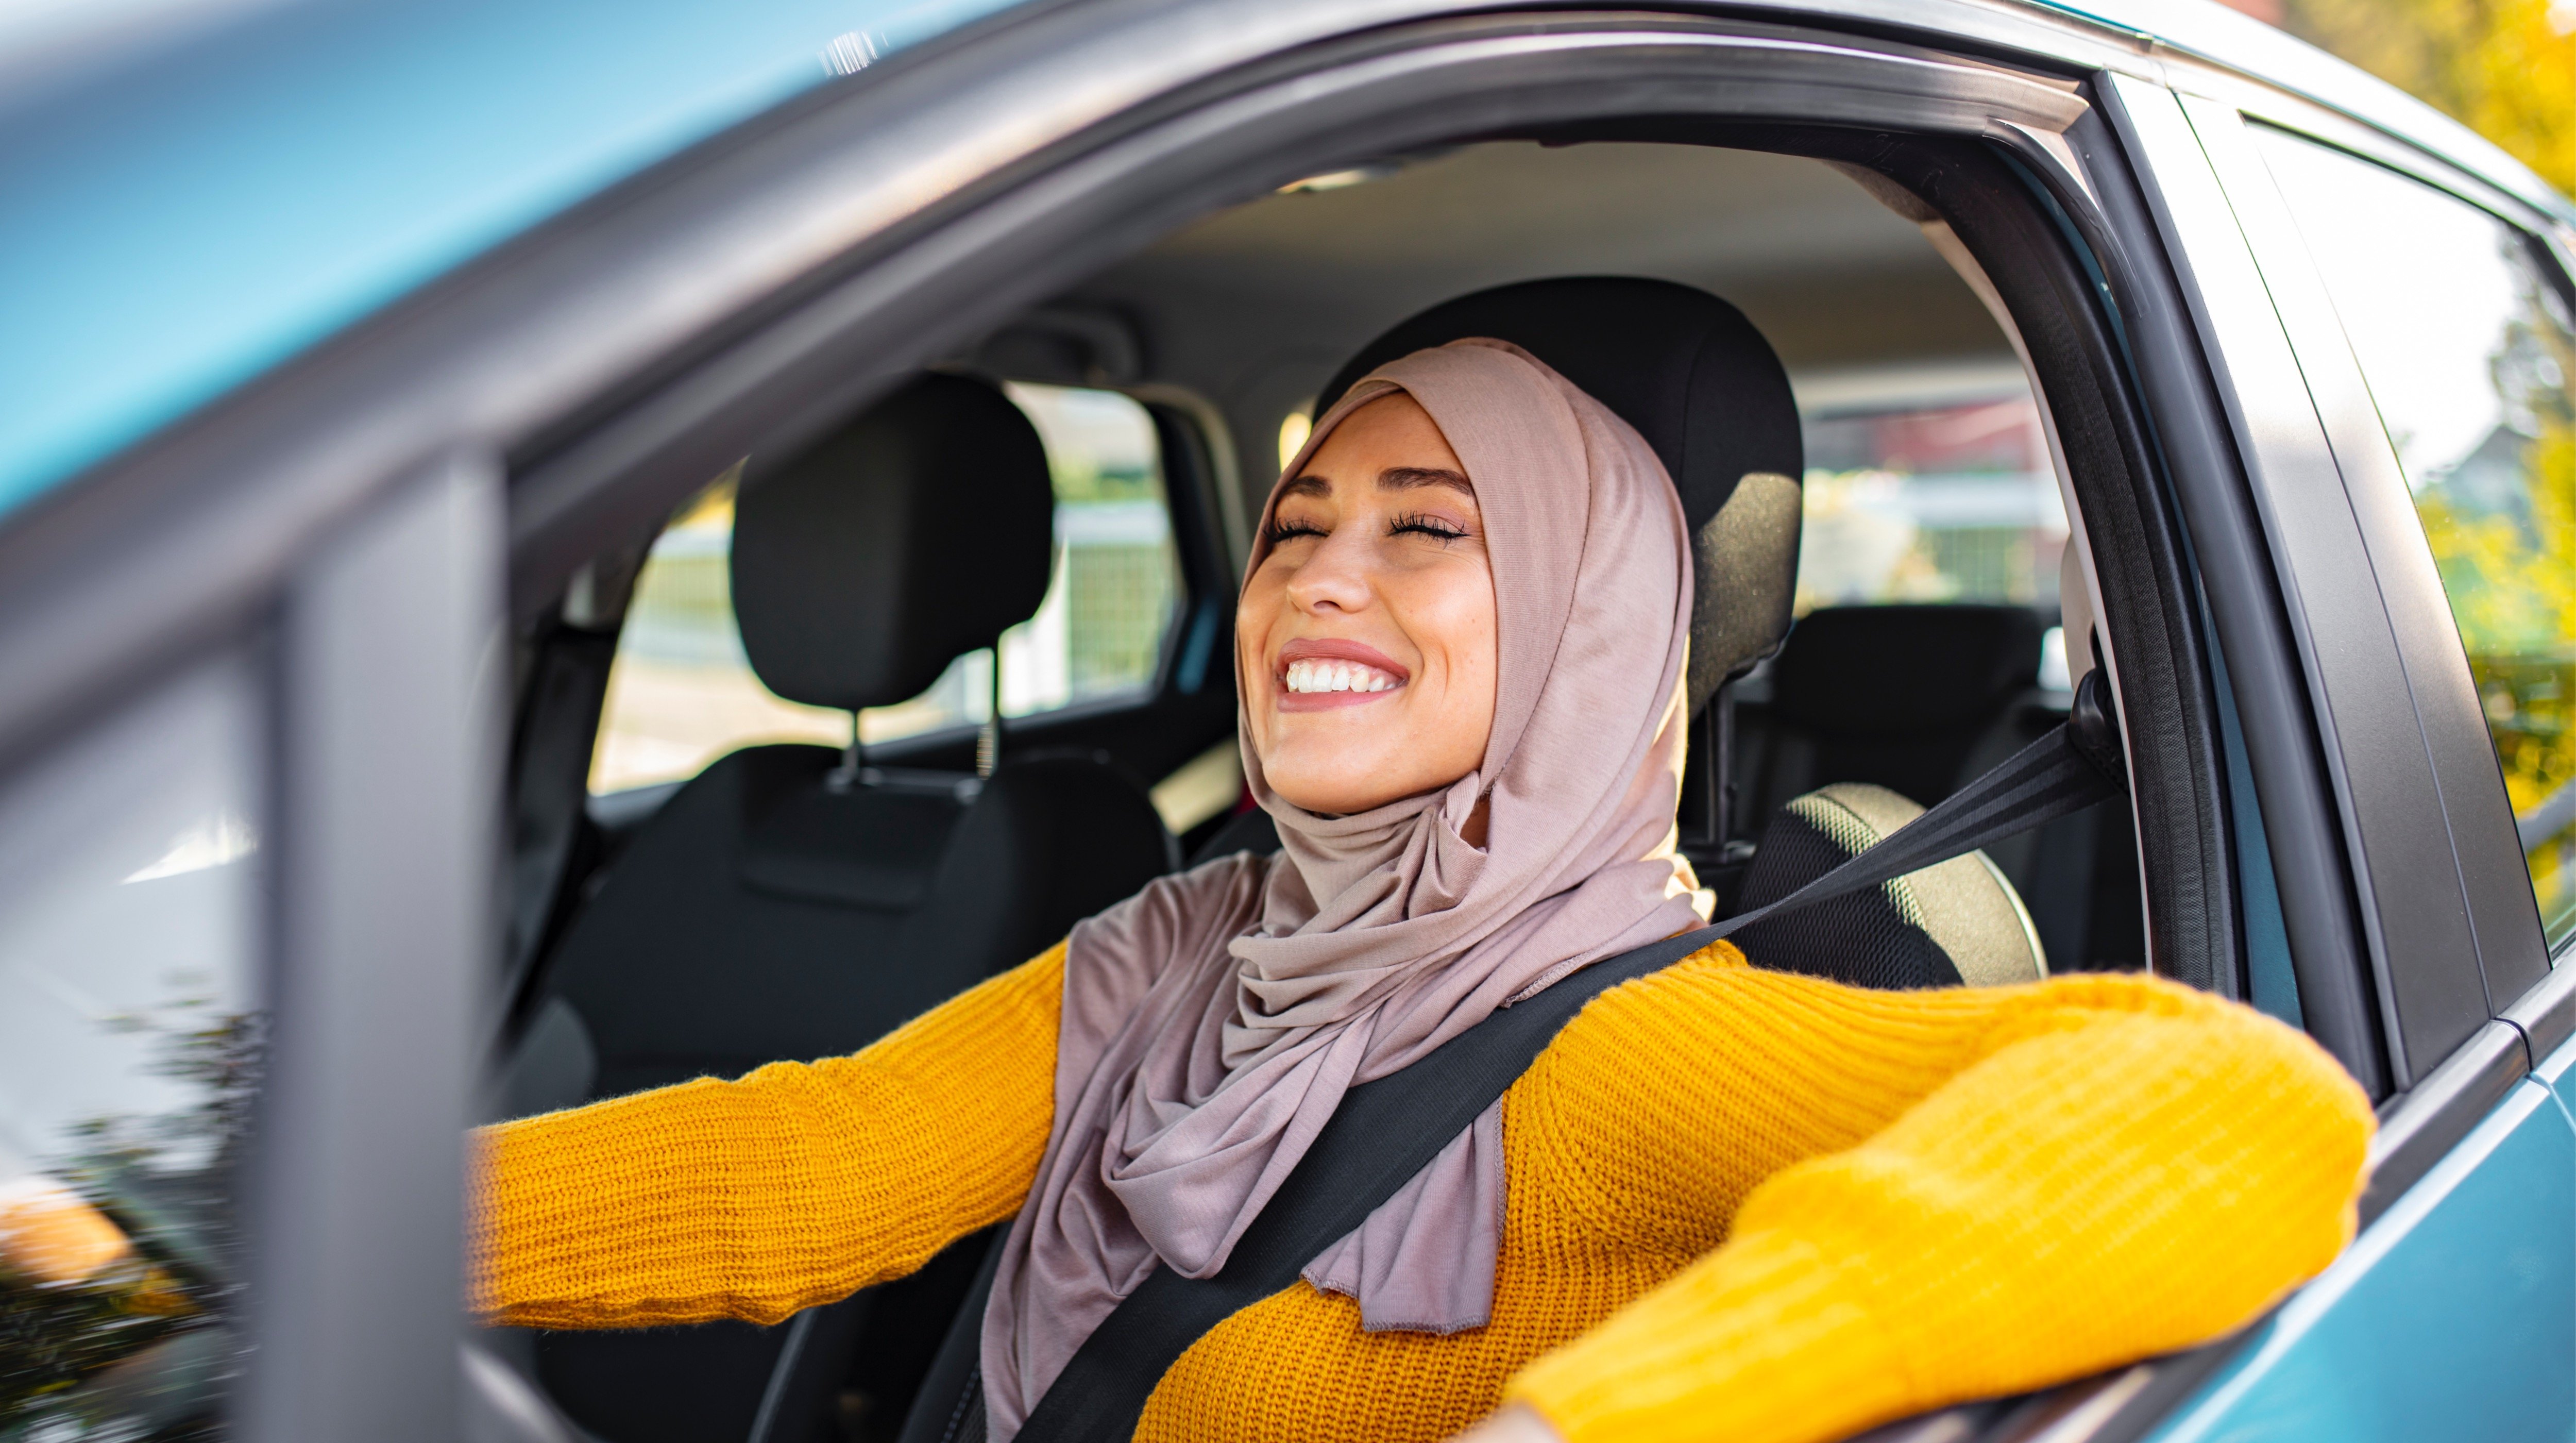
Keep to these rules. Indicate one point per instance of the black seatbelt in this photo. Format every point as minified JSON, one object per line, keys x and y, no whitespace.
{"x":1387,"y":1131}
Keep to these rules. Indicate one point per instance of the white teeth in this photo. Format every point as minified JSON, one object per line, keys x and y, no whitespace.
{"x":1319,"y":676}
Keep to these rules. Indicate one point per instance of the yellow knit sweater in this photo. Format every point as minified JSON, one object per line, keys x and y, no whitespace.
{"x":1742,"y":1204}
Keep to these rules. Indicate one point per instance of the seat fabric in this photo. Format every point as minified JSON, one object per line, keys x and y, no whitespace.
{"x":778,"y":907}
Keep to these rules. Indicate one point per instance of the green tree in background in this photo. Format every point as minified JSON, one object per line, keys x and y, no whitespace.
{"x":2504,"y":68}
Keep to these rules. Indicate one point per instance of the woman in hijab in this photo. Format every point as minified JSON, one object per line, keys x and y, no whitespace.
{"x":1724,"y":1203}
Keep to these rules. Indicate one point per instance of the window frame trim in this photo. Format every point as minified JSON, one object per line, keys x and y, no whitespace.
{"x":2505,"y":930}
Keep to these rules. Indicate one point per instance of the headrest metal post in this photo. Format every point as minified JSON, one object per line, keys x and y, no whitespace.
{"x":988,"y":740}
{"x":854,"y":761}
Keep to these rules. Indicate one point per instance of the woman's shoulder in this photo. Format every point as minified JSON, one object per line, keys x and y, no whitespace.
{"x":1181,"y":913}
{"x":1183,"y":920}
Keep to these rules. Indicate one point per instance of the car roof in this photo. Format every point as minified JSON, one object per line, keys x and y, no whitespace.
{"x":192,"y":191}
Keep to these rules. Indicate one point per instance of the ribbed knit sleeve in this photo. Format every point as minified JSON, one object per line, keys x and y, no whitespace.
{"x":796,"y":1185}
{"x":1943,"y":1196}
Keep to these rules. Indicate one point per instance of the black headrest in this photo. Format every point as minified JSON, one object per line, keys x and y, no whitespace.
{"x":1705,"y":390}
{"x":918,"y":532}
{"x":1889,"y":670}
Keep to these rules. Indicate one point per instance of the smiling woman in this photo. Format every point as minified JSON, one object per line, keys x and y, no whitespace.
{"x":1366,"y":634}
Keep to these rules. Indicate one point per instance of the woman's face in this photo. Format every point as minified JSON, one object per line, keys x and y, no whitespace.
{"x":1366,"y":637}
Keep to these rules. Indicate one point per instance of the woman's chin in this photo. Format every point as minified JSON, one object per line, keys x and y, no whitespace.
{"x":1341,"y":789}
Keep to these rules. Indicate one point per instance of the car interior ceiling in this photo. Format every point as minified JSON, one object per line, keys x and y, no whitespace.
{"x":793,"y":900}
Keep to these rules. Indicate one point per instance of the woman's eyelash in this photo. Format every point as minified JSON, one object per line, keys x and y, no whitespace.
{"x":1427,"y":526}
{"x":1423,"y":525}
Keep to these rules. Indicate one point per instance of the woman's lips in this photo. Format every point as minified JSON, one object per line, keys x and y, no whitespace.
{"x":1315,"y":675}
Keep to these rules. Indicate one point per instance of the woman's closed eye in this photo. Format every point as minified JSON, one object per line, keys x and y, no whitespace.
{"x":1425,"y":525}
{"x":1284,"y":531}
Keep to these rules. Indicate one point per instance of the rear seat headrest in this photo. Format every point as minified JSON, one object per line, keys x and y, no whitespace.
{"x":916,"y":533}
{"x":1870,"y":670}
{"x":1705,"y":390}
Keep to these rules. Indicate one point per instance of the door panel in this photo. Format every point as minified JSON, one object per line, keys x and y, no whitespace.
{"x":2454,"y":1316}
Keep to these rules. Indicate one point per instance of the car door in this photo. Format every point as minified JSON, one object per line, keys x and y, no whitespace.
{"x":621,"y":393}
{"x":2371,"y":334}
{"x":242,"y":846}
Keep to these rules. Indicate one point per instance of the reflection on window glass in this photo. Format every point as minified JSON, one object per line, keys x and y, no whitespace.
{"x":130,"y":1050}
{"x":2467,"y":344}
{"x":1928,"y":487}
{"x":681,"y":693}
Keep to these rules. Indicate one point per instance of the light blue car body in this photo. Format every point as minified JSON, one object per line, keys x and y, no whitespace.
{"x":2426,"y":1327}
{"x":190,"y":195}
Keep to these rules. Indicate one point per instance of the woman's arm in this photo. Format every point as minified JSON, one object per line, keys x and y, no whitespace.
{"x":2118,"y":1167}
{"x":797,"y":1185}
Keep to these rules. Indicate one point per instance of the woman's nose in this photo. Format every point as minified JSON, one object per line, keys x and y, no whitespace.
{"x":1334,"y":576}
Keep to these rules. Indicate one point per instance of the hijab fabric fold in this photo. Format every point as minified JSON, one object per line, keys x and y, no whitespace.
{"x":1213,"y":1021}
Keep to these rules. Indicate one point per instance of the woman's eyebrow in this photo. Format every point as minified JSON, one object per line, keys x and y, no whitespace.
{"x":1405,"y":478}
{"x":1308,"y":485}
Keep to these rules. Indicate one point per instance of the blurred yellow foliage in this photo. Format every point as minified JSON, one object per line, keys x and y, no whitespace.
{"x":2505,"y":68}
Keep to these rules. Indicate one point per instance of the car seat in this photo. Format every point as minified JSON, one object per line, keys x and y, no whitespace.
{"x":788,"y":903}
{"x":1919,"y":699}
{"x":1954,"y":922}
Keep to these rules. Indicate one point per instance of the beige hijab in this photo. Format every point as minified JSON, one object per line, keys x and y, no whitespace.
{"x":1213,"y":1021}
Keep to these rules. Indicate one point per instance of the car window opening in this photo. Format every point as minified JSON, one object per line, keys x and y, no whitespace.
{"x":1928,"y":642}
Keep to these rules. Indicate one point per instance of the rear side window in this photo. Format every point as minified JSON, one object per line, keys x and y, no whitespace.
{"x":681,"y":693}
{"x":1939,"y":490}
{"x":2464,"y":334}
{"x":1931,"y":484}
{"x":131,"y":1034}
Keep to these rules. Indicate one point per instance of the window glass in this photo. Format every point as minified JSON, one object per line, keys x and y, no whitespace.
{"x":2466,"y":341}
{"x":681,"y":693}
{"x":130,"y":1050}
{"x":1928,"y":487}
